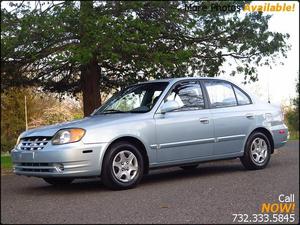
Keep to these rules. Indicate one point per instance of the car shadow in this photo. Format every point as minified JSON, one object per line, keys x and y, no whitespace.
{"x":201,"y":172}
{"x":154,"y":177}
{"x":89,"y":185}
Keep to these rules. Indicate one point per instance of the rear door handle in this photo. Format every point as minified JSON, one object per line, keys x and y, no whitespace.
{"x":204,"y":120}
{"x":250,"y":115}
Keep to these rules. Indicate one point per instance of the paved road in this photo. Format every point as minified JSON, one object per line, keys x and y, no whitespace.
{"x":209,"y":194}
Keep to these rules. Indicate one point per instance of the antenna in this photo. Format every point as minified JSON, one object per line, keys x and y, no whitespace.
{"x":268,"y":87}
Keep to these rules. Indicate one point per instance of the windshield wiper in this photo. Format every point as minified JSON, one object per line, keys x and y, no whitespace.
{"x":112,"y":111}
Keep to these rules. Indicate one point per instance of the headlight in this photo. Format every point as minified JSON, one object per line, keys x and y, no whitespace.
{"x":65,"y":136}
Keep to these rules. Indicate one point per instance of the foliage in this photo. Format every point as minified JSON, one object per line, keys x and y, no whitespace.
{"x":294,"y":135}
{"x":296,"y":99}
{"x":42,"y":109}
{"x":292,"y":114}
{"x":69,"y":47}
{"x":6,"y":162}
{"x":292,"y":118}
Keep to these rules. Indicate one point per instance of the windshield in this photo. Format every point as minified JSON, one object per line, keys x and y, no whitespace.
{"x":138,"y":98}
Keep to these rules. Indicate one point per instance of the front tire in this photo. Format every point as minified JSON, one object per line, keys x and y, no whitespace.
{"x":123,"y":166}
{"x":58,"y":181}
{"x":257,"y":152}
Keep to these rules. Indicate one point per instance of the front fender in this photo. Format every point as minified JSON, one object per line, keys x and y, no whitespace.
{"x":143,"y":130}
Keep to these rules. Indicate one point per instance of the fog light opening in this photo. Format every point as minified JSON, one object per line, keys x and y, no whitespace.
{"x":14,"y":167}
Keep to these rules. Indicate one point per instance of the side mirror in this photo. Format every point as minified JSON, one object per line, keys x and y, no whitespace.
{"x":169,"y":106}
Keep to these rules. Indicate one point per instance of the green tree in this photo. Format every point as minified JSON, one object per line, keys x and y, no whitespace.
{"x":296,"y":99}
{"x":93,"y":47}
{"x":292,"y":114}
{"x":12,"y":117}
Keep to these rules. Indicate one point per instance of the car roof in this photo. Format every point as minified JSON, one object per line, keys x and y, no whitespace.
{"x":173,"y":80}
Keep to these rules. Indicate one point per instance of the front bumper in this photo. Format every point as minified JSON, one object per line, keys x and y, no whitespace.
{"x":68,"y":160}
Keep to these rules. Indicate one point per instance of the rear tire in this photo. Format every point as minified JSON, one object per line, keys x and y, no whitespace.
{"x":58,"y":181}
{"x":122,"y":167}
{"x":257,"y":152}
{"x":189,"y":167}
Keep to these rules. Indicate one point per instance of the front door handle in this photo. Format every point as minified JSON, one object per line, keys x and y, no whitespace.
{"x":204,"y":120}
{"x":250,"y":116}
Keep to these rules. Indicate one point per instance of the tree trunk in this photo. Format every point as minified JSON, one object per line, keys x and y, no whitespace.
{"x":90,"y":79}
{"x":90,"y":71}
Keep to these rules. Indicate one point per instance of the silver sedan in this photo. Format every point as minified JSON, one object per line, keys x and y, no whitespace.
{"x":172,"y":122}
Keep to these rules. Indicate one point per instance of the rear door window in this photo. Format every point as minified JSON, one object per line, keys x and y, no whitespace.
{"x":220,"y":94}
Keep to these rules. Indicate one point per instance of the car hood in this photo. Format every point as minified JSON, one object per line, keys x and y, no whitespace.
{"x":84,"y":123}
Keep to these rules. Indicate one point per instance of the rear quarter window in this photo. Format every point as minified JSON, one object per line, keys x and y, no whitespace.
{"x":241,"y":97}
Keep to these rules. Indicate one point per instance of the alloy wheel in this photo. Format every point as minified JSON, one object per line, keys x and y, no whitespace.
{"x":125,"y":166}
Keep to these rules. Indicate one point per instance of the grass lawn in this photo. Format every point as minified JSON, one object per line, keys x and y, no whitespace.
{"x":6,"y":162}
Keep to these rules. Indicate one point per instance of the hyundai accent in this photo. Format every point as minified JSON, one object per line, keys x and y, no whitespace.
{"x":161,"y":123}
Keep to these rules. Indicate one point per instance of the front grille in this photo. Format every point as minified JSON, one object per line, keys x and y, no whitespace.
{"x":35,"y":164}
{"x":37,"y":170}
{"x":33,"y":143}
{"x":35,"y":167}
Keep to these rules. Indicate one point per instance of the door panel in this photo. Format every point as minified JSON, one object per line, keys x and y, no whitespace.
{"x":232,"y":114}
{"x":232,"y":125}
{"x":184,"y":135}
{"x":187,"y":132}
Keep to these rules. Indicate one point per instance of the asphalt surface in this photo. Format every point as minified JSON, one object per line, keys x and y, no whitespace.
{"x":210,"y":194}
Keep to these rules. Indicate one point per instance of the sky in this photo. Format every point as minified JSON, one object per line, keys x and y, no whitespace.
{"x":281,"y":79}
{"x":277,"y":84}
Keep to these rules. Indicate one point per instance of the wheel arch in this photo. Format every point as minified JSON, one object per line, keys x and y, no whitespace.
{"x":137,"y":143}
{"x":266,"y":132}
